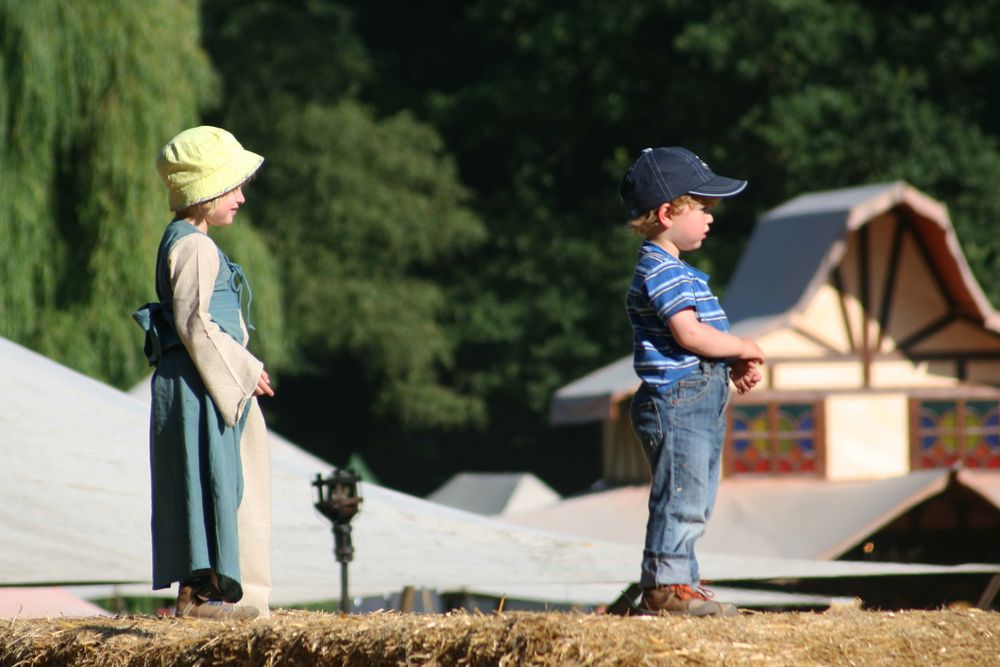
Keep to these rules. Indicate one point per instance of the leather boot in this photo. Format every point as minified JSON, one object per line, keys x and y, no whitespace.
{"x":192,"y":603}
{"x":682,"y":600}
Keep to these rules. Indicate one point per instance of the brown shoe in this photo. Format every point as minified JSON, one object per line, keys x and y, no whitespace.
{"x":682,"y":600}
{"x":193,"y":605}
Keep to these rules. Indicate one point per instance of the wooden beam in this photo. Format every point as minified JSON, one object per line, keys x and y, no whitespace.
{"x":819,"y":437}
{"x":772,"y":436}
{"x":815,"y":339}
{"x":838,"y":284}
{"x":863,"y":259}
{"x":940,"y":355}
{"x":926,"y":332}
{"x":915,"y":448}
{"x":929,"y":263}
{"x":902,"y":226}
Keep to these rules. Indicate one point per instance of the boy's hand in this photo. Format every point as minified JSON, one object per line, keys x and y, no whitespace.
{"x":751,"y":351}
{"x":745,"y":375}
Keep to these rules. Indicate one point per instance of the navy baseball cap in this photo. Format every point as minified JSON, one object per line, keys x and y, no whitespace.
{"x":663,"y":174}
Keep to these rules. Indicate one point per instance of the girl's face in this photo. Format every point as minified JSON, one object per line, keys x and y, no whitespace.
{"x":225,"y":208}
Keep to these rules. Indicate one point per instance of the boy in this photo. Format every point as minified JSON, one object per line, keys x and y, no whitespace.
{"x":684,"y":357}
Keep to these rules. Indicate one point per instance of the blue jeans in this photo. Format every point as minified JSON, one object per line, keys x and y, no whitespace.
{"x":681,"y":428}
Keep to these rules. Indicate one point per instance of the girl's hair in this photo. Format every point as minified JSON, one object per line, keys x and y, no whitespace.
{"x":648,"y":224}
{"x":201,"y":210}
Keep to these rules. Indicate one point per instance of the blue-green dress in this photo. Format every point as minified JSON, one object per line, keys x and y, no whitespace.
{"x":197,"y":481}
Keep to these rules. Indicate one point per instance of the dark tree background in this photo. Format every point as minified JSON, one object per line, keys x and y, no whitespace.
{"x":439,"y":199}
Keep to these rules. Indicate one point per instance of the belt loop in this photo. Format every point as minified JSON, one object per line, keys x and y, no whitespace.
{"x":707,"y":366}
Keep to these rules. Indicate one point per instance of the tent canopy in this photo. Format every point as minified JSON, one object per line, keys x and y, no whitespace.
{"x":791,"y":517}
{"x":48,"y":602}
{"x":74,"y":508}
{"x":494,"y":494}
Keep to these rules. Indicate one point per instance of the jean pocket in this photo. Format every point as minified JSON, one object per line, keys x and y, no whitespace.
{"x":691,"y":389}
{"x":646,"y":424}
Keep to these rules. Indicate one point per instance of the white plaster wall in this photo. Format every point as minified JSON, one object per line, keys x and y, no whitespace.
{"x":818,"y":376}
{"x":867,"y":436}
{"x":905,"y":373}
{"x":787,"y":343}
{"x":823,"y":319}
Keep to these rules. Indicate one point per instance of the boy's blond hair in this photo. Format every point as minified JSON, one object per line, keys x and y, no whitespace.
{"x":648,"y":224}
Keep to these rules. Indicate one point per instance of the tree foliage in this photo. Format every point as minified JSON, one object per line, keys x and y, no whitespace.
{"x":440,"y":187}
{"x":90,"y":92}
{"x":376,"y":205}
{"x":544,"y":106}
{"x":363,"y":209}
{"x":839,"y":94}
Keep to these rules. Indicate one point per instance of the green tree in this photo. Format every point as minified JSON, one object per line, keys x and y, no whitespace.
{"x":364,"y":210}
{"x":544,"y":106}
{"x":541,"y":107}
{"x":89,"y":92}
{"x":842,"y":93}
{"x":376,"y":205}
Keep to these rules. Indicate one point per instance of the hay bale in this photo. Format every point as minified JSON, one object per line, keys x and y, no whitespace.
{"x":956,"y":637}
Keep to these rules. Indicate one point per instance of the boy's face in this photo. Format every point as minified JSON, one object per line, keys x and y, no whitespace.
{"x":688,"y":228}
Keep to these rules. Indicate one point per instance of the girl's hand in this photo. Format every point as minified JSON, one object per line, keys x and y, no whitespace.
{"x":263,"y":385}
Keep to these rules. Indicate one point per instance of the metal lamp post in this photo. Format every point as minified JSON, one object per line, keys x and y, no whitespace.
{"x":338,"y":501}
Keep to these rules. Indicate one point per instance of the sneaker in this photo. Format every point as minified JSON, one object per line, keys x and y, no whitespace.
{"x":682,"y":600}
{"x":193,"y":605}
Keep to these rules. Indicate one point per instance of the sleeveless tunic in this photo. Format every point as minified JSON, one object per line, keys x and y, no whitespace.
{"x":201,"y":397}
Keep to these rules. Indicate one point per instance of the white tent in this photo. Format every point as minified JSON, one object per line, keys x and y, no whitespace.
{"x":46,"y":602}
{"x":494,"y":494}
{"x":791,"y":517}
{"x":74,"y":509}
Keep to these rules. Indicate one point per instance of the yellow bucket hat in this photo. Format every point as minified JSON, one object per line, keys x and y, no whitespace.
{"x":203,"y":163}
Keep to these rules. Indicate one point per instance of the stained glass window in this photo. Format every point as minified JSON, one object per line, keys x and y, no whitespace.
{"x":947,"y":432}
{"x":772,"y":438}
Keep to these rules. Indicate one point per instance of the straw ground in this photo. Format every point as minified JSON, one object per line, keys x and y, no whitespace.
{"x":847,"y":637}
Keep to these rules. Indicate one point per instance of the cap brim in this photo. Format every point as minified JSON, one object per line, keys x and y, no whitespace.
{"x":720,"y":186}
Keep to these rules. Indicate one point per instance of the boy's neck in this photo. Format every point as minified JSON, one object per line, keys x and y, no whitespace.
{"x":662,"y":241}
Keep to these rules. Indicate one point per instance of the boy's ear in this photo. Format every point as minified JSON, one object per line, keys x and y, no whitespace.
{"x":663,"y":214}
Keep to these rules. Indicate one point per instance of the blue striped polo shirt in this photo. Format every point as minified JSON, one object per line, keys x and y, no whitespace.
{"x":662,"y":286}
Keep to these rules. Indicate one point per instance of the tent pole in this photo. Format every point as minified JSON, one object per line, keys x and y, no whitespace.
{"x":989,"y":593}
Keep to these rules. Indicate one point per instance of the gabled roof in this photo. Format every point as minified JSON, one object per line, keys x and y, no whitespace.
{"x":795,"y":246}
{"x":591,"y":397}
{"x":791,"y":253}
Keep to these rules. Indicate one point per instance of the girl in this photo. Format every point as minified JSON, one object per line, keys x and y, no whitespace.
{"x":208,"y":442}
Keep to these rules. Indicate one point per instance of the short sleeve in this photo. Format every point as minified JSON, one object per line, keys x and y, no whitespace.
{"x":670,"y":289}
